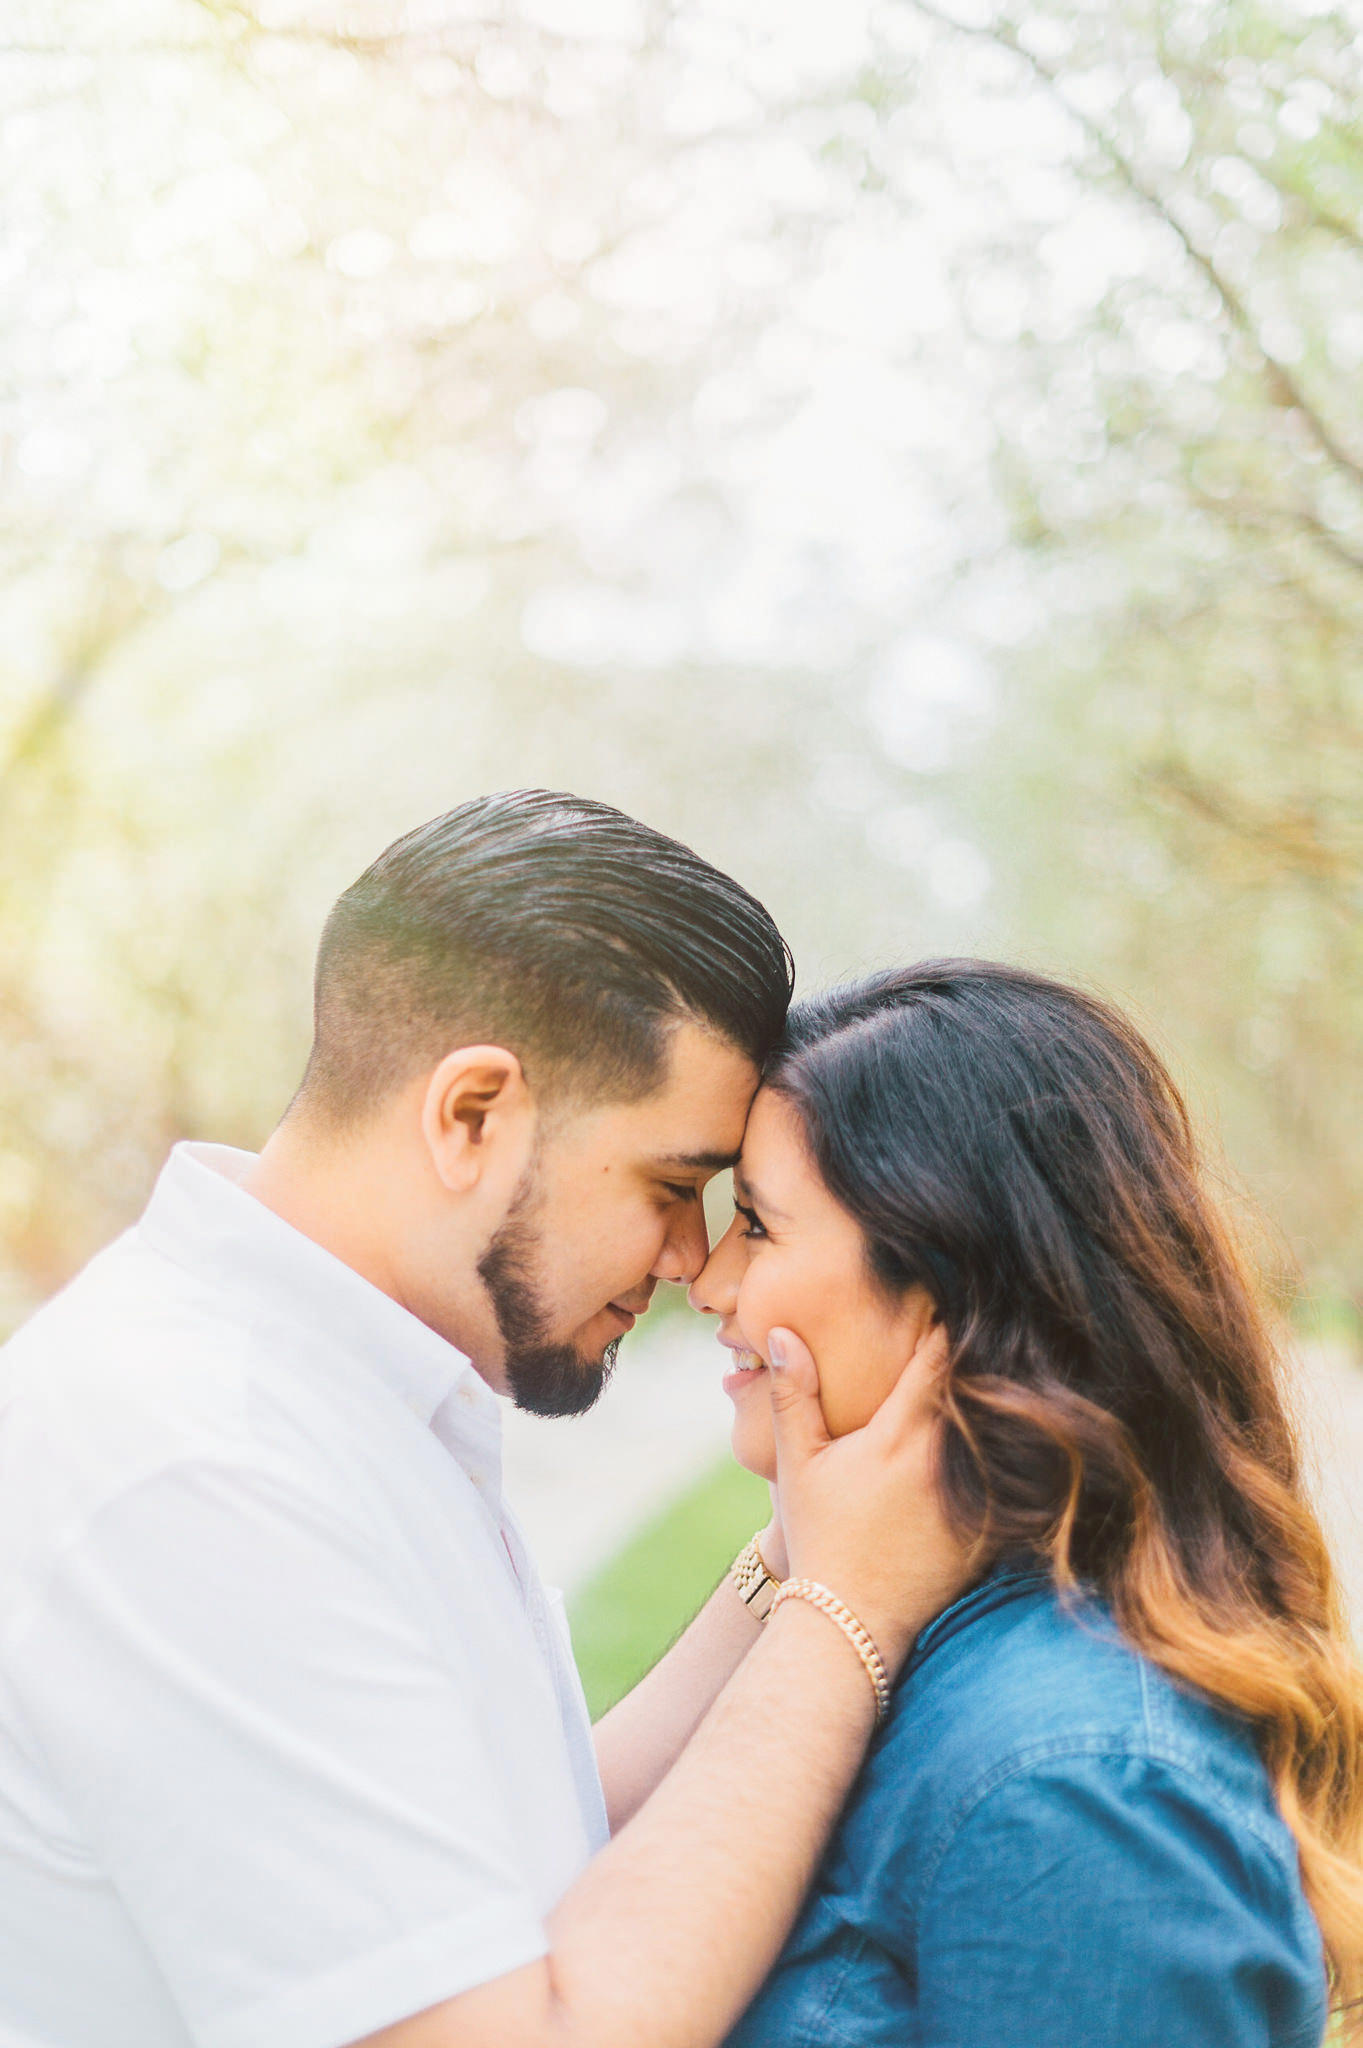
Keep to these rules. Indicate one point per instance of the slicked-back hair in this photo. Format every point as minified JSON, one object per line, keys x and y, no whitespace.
{"x":546,"y":923}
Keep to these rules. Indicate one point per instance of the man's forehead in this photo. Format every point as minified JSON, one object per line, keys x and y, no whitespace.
{"x":694,"y":1122}
{"x":702,"y":1133}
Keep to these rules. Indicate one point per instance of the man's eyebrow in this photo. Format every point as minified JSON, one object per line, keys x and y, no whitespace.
{"x":696,"y":1162}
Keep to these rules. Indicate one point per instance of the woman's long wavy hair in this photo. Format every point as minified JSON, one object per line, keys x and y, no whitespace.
{"x":1113,"y":1399}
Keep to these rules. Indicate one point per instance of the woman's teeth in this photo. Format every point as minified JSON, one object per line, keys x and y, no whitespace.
{"x":748,"y":1361}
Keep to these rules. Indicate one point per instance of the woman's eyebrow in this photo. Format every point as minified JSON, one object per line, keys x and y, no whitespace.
{"x":744,"y":1187}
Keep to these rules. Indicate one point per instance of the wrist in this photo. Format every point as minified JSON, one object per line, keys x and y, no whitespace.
{"x":858,"y":1636}
{"x":892,"y":1629}
{"x":753,"y":1579}
{"x":830,"y":1666}
{"x":771,"y":1542}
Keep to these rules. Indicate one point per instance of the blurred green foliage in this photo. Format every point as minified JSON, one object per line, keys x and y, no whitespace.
{"x":1181,"y":772}
{"x":637,"y":1605}
{"x":914,"y":457}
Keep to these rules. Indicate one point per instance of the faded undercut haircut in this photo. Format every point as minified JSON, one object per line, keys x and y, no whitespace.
{"x":549,"y":924}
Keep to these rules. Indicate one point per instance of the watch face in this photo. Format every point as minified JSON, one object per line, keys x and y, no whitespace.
{"x":760,"y":1600}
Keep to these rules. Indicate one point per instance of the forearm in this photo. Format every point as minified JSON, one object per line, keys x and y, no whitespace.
{"x":667,"y":1935}
{"x":639,"y":1740}
{"x":669,"y":1932}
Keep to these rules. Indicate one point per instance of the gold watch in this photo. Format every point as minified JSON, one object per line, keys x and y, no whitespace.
{"x":756,"y":1586}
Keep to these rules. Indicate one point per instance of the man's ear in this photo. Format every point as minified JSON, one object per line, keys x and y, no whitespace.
{"x":477,"y":1111}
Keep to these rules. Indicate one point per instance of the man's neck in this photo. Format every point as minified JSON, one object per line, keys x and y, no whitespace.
{"x":327,"y":1196}
{"x":353,"y":1196}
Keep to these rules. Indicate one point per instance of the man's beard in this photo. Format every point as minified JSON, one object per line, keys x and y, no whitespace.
{"x":544,"y":1378}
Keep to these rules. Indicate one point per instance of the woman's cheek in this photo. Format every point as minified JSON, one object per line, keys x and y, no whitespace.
{"x":844,"y":1409}
{"x":854,"y":1381}
{"x":762,"y":1304}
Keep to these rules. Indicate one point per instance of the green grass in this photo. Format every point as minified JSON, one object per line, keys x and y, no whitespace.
{"x":627,"y":1615}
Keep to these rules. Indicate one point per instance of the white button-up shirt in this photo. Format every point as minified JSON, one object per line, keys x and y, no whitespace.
{"x":291,"y":1740}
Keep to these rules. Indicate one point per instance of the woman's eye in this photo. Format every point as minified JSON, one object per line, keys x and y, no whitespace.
{"x":753,"y":1221}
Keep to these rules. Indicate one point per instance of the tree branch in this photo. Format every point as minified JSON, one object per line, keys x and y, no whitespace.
{"x":1282,"y":384}
{"x":1292,"y":838}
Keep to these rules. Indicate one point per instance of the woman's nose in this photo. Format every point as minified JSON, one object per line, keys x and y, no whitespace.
{"x":714,"y":1291}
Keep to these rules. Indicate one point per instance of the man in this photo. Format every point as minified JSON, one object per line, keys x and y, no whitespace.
{"x":292,"y":1750}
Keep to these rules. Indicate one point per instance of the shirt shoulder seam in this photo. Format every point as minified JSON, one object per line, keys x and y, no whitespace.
{"x":1070,"y":1748}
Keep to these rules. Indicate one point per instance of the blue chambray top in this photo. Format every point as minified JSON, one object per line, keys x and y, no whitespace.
{"x":1050,"y":1845}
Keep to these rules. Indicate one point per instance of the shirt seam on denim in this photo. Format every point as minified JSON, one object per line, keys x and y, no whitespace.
{"x":1146,"y":1719}
{"x":815,"y":2033}
{"x":1069,"y":1746}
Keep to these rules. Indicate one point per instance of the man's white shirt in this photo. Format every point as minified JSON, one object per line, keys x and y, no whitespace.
{"x":291,"y":1740}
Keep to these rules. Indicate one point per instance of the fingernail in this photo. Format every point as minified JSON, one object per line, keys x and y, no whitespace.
{"x":776,"y":1347}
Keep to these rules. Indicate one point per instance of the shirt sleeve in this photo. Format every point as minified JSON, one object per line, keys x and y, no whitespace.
{"x":287,"y":1786}
{"x":1107,"y":1899}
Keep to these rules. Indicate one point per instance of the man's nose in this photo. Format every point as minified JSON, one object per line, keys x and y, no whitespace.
{"x":686,"y":1247}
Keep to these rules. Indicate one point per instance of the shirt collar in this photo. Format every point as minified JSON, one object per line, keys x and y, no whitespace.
{"x":1014,"y":1573}
{"x":201,"y":1217}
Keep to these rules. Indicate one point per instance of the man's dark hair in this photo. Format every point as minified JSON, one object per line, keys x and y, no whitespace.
{"x":546,"y":923}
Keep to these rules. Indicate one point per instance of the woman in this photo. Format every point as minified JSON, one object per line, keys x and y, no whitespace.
{"x":1119,"y":1796}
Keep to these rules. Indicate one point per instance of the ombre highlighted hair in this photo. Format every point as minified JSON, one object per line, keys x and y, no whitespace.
{"x":1113,"y":1400}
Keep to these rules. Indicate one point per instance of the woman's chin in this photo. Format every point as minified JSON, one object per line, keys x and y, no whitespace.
{"x":754,"y":1449}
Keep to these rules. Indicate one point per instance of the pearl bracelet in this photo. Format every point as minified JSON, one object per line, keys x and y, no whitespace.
{"x":829,"y":1604}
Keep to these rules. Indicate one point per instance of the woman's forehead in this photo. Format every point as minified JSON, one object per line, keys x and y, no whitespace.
{"x":774,"y":1166}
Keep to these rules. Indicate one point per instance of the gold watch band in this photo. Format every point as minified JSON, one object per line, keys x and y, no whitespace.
{"x":756,"y":1586}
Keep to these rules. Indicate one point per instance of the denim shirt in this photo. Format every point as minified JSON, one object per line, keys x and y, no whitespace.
{"x":1051,"y":1845}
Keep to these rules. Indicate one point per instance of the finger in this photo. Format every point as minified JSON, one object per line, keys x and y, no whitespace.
{"x":797,"y":1418}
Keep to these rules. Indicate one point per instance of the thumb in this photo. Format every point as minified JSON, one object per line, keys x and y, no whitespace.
{"x":796,"y":1416}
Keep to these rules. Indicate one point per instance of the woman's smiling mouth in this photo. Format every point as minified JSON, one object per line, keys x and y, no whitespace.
{"x":747,"y":1366}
